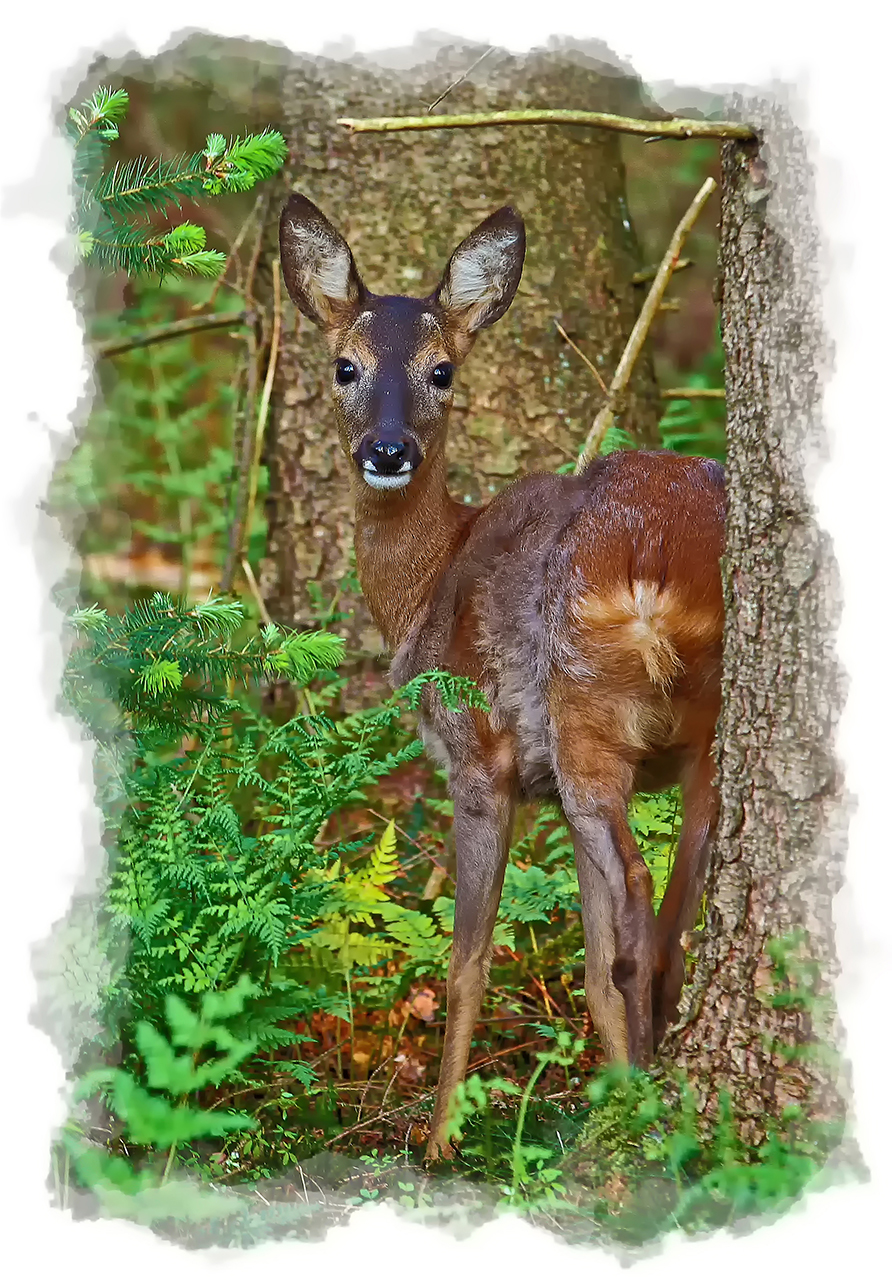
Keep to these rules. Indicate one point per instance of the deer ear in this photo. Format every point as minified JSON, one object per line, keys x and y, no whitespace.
{"x":482,"y":276}
{"x":318,"y":267}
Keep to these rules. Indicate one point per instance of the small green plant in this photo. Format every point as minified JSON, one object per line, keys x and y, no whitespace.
{"x":150,"y":1105}
{"x":110,"y":203}
{"x":642,"y":1148}
{"x":697,"y":426}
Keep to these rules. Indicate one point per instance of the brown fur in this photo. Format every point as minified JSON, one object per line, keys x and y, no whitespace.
{"x":589,"y":611}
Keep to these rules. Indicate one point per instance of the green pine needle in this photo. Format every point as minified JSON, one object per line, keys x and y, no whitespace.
{"x":113,"y":206}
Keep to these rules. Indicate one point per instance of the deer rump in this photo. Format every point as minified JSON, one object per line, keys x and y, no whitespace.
{"x":590,"y":602}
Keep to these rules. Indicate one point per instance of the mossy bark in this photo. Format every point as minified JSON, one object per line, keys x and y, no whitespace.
{"x":524,"y":401}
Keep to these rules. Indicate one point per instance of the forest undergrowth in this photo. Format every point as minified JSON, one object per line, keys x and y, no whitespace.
{"x":262,"y":979}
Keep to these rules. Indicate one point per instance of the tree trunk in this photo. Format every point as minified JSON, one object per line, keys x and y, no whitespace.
{"x":777,"y":863}
{"x":524,"y":401}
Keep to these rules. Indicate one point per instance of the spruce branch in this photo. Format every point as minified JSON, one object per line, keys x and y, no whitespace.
{"x":107,"y":203}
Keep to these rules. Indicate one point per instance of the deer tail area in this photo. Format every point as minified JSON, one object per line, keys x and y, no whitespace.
{"x":640,"y":615}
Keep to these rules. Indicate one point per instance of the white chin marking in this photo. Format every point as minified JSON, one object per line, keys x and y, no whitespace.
{"x":386,"y":482}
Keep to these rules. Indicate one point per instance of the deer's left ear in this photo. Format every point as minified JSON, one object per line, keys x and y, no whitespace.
{"x":482,"y":276}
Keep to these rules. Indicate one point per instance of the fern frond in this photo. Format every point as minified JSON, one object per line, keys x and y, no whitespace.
{"x":384,"y":862}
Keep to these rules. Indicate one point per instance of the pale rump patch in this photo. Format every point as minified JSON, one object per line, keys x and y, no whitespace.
{"x":645,"y":725}
{"x":642,"y":618}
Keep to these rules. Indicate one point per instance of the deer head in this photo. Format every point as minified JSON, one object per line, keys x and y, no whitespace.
{"x":393,"y":358}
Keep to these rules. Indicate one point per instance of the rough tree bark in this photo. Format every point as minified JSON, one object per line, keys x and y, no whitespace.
{"x":777,"y":864}
{"x":524,"y":401}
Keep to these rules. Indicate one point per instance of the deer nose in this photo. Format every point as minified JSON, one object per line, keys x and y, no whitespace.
{"x":388,"y":461}
{"x":388,"y":456}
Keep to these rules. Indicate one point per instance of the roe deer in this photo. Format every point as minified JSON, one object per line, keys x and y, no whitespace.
{"x":587,"y":608}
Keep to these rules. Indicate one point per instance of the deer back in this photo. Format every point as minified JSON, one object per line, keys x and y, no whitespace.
{"x":609,"y":580}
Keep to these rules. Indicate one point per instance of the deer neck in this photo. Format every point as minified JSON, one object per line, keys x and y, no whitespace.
{"x":404,"y":542}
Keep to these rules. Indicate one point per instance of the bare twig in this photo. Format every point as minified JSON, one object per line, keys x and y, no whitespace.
{"x":243,"y":447}
{"x":255,"y":591}
{"x":167,"y":332}
{"x":693,"y":393}
{"x":421,"y":849}
{"x":464,"y":75}
{"x":263,"y":410}
{"x":582,"y":356}
{"x":512,"y":1048}
{"x":244,"y":435}
{"x":620,"y":380}
{"x":380,"y":1067}
{"x":381,"y":1116}
{"x":233,"y":252}
{"x":263,"y":200}
{"x":642,"y":277}
{"x":677,"y":128}
{"x":251,"y":441}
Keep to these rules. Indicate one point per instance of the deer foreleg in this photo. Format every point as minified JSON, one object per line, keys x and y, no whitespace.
{"x":482,"y":830}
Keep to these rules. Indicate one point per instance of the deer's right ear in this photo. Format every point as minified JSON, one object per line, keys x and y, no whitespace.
{"x":318,"y":267}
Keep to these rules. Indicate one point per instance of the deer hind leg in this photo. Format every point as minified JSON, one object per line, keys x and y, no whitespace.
{"x":684,"y":892}
{"x":605,"y":1004}
{"x":482,"y":830}
{"x":617,"y":893}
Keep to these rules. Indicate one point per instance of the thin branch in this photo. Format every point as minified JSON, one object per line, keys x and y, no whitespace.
{"x":582,"y":356}
{"x":642,"y":277}
{"x":167,"y":332}
{"x":233,"y":252}
{"x":243,"y":448}
{"x":415,"y":1102}
{"x":464,"y":75}
{"x":677,"y":128}
{"x":255,"y":591}
{"x":605,"y":416}
{"x":263,"y":411}
{"x":384,"y":1115}
{"x":244,"y":434}
{"x":258,"y":244}
{"x":693,"y":393}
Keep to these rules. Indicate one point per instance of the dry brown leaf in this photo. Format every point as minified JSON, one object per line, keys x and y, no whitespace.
{"x":425,"y":1004}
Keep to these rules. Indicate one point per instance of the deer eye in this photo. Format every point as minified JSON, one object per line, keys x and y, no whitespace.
{"x":345,"y":371}
{"x":442,"y":376}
